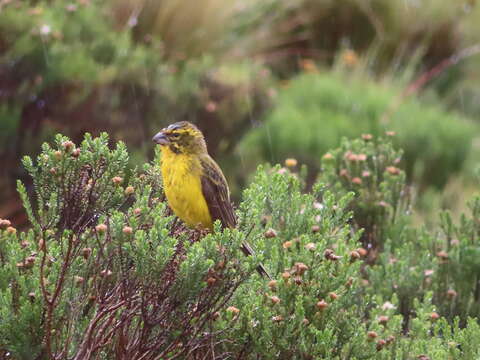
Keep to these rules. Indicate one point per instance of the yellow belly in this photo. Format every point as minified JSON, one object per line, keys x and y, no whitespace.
{"x":183,"y":189}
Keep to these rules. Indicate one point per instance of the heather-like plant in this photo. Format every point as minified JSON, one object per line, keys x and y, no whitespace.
{"x":104,"y":272}
{"x":370,"y":169}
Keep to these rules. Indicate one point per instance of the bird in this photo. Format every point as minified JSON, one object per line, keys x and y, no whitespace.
{"x":195,"y":187}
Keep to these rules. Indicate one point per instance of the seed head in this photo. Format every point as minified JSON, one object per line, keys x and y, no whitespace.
{"x":117,"y":180}
{"x":291,"y":163}
{"x":4,"y":223}
{"x":343,"y":173}
{"x":78,"y":280}
{"x":390,"y":133}
{"x":354,"y":255}
{"x":371,"y":335}
{"x":315,"y":229}
{"x":434,"y":316}
{"x":287,"y":244}
{"x":327,"y":156}
{"x":86,"y":252}
{"x":380,"y":344}
{"x":451,"y":294}
{"x":393,"y":170}
{"x":129,"y":190}
{"x":390,"y":339}
{"x":362,"y":157}
{"x":310,"y":246}
{"x":57,"y":154}
{"x":127,"y":230}
{"x":101,"y":228}
{"x":367,"y":137}
{"x":274,"y":299}
{"x":332,"y":296}
{"x":383,"y":319}
{"x":365,"y":173}
{"x":442,"y":255}
{"x":272,"y":284}
{"x":211,"y":281}
{"x":233,"y":310}
{"x":53,"y":171}
{"x":11,"y":230}
{"x":137,"y":211}
{"x":362,"y":252}
{"x":357,"y":181}
{"x":286,"y":275}
{"x":277,"y":318}
{"x":270,"y":233}
{"x":328,"y":253}
{"x":300,"y":268}
{"x":322,"y":305}
{"x":76,"y":152}
{"x":68,"y":145}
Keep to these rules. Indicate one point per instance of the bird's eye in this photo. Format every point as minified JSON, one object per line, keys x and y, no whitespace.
{"x":174,"y":135}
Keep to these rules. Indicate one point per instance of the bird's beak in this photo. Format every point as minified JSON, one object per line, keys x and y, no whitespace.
{"x":161,"y":139}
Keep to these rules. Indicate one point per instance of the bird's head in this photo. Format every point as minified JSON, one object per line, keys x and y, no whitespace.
{"x":181,"y":137}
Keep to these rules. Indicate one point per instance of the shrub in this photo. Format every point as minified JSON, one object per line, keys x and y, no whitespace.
{"x":316,"y":110}
{"x":102,"y":272}
{"x":106,"y":272}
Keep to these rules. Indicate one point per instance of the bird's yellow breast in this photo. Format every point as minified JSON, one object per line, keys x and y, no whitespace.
{"x":182,"y":183}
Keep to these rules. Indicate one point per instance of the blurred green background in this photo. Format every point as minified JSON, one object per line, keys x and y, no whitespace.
{"x":264,"y":79}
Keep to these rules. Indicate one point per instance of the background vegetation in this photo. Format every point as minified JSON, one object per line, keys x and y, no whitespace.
{"x":374,"y":105}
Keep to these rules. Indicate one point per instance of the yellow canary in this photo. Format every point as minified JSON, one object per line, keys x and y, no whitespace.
{"x":194,"y":184}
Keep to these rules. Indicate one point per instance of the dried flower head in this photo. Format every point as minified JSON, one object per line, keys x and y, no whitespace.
{"x":287,"y":244}
{"x":272,"y":284}
{"x":291,"y":163}
{"x":233,"y":310}
{"x":129,"y":190}
{"x":68,"y":145}
{"x":310,"y":246}
{"x":101,"y":228}
{"x":117,"y":180}
{"x":274,"y":299}
{"x":4,"y":223}
{"x":393,"y":170}
{"x":86,"y":252}
{"x":434,"y":316}
{"x":380,"y":344}
{"x":383,"y":319}
{"x":357,"y":181}
{"x":270,"y":233}
{"x":322,"y":305}
{"x":371,"y":335}
{"x":11,"y":230}
{"x":451,"y":294}
{"x":333,"y":296}
{"x":127,"y":230}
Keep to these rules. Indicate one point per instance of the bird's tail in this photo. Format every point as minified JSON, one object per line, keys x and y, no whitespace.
{"x":247,"y":250}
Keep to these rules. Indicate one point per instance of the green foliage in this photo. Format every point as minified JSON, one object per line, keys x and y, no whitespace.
{"x":107,"y":272}
{"x":103,"y":256}
{"x":316,"y":110}
{"x":368,"y":168}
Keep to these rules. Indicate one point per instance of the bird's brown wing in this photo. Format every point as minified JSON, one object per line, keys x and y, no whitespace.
{"x":215,"y":192}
